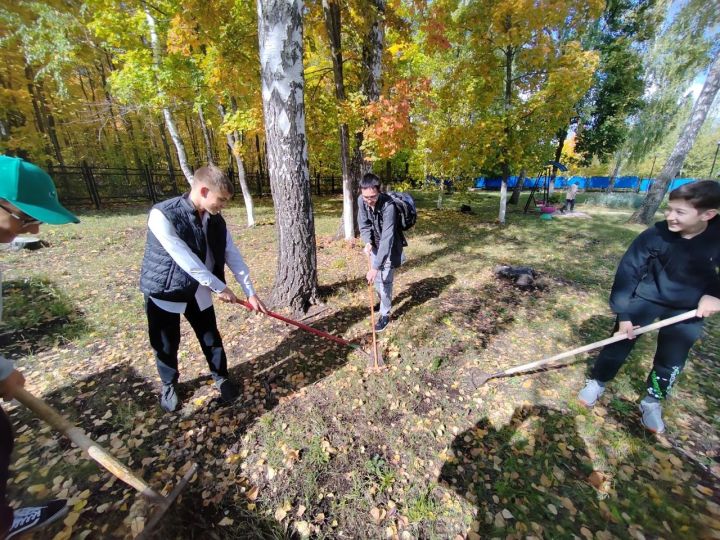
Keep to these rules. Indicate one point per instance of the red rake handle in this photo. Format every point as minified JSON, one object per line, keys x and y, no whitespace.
{"x":302,"y":326}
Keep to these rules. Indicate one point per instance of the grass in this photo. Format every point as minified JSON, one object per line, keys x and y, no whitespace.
{"x":317,"y":447}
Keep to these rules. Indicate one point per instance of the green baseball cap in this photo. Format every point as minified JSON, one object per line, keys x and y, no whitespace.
{"x":32,"y":190}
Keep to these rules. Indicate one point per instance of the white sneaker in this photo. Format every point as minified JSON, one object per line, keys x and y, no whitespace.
{"x":652,"y":416}
{"x":589,"y":395}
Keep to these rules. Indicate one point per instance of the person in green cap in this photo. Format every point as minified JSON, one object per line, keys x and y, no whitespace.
{"x":27,"y":200}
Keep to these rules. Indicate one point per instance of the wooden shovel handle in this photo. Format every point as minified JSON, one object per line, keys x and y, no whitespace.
{"x":43,"y":411}
{"x":614,"y":339}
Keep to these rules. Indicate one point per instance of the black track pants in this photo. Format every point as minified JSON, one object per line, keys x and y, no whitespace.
{"x":673,"y":344}
{"x":6,"y":446}
{"x":164,"y":331}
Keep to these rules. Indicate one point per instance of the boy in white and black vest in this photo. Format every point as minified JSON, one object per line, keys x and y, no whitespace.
{"x":378,"y":222}
{"x":188,"y":246}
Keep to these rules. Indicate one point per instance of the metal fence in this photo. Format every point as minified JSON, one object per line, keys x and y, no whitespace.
{"x":100,"y":187}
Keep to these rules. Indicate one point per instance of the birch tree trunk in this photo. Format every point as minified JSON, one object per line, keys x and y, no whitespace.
{"x":234,"y":143}
{"x":280,"y":34}
{"x":646,"y":213}
{"x":169,"y":122}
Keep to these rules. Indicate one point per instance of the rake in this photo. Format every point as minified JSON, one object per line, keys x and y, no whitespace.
{"x":485,"y":377}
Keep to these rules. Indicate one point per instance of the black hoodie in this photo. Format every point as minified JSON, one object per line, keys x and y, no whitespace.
{"x":665,"y":268}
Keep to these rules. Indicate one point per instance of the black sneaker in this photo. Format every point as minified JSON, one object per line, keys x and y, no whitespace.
{"x":382,"y":323}
{"x":169,"y":398}
{"x":33,"y":518}
{"x":228,"y":391}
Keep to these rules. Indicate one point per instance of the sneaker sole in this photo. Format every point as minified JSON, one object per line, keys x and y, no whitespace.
{"x":648,"y":428}
{"x":586,"y":404}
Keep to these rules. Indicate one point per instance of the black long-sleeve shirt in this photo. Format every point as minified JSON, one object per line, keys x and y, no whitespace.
{"x":665,"y":268}
{"x":378,"y":228}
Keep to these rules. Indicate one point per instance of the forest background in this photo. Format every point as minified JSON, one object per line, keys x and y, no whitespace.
{"x":448,"y":88}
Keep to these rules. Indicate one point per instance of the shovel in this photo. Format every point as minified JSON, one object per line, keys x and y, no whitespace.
{"x":99,"y":454}
{"x":377,"y":355}
{"x":484,"y":377}
{"x":307,"y":328}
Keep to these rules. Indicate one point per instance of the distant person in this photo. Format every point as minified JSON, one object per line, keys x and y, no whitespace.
{"x":570,"y":198}
{"x":27,"y":200}
{"x":670,"y":268}
{"x":188,"y":246}
{"x":380,"y":229}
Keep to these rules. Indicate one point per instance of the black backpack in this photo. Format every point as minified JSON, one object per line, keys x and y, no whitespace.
{"x":406,"y":209}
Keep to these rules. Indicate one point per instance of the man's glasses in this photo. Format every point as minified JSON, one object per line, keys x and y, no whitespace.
{"x":26,"y":220}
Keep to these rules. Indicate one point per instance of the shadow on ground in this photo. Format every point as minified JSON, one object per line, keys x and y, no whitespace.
{"x":36,"y":314}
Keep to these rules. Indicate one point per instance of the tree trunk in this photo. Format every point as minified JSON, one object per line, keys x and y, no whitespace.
{"x":331,"y":10}
{"x":509,"y":52}
{"x":517,"y":190}
{"x":168,"y":155}
{"x":234,"y":145}
{"x":52,"y":132}
{"x":280,"y":33}
{"x":206,"y":137}
{"x":562,"y":134}
{"x":372,"y":50}
{"x":169,"y":122}
{"x":616,"y":171}
{"x":646,"y":213}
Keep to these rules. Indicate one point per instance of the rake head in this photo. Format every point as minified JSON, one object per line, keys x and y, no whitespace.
{"x":371,"y":367}
{"x":162,"y":505}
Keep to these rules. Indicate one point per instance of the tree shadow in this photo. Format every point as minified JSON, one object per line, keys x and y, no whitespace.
{"x":118,"y":408}
{"x":36,"y":314}
{"x":301,"y":359}
{"x":527,"y":474}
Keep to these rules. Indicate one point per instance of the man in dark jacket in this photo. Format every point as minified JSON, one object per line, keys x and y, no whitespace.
{"x":188,"y":246}
{"x":670,"y":268}
{"x":27,"y":200}
{"x":384,"y":241}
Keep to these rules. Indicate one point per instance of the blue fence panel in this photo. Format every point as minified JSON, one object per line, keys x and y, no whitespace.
{"x":593,"y":182}
{"x":598,"y":182}
{"x":626,"y":182}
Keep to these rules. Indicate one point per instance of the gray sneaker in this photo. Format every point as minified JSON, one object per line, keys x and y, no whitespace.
{"x":652,"y":416}
{"x":169,"y":398}
{"x":589,"y":395}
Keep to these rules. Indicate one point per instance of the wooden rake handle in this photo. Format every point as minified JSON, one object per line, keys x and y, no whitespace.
{"x":614,"y":339}
{"x":46,"y":413}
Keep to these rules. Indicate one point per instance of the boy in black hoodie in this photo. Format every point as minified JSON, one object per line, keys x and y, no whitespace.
{"x":670,"y":268}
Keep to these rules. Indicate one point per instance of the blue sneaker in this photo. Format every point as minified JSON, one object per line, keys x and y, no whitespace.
{"x":382,"y":323}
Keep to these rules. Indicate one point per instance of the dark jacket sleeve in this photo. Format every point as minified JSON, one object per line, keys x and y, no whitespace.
{"x":631,"y":270}
{"x":387,"y":238}
{"x":364,"y":222}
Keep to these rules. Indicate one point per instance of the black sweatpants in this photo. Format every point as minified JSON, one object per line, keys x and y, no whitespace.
{"x":6,"y":447}
{"x":569,"y":204}
{"x":673,"y":344}
{"x":164,"y":331}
